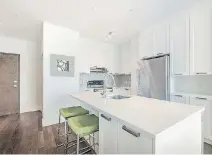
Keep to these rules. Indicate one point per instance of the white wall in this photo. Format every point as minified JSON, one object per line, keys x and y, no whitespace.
{"x":87,"y":52}
{"x":128,"y":60}
{"x":125,"y":66}
{"x":30,"y":83}
{"x":134,"y":49}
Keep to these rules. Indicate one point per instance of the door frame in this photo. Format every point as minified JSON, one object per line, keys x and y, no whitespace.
{"x":18,"y":55}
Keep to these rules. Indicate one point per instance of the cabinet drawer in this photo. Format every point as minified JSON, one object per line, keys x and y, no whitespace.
{"x":107,"y":134}
{"x":207,"y":114}
{"x":132,"y":141}
{"x":179,"y":99}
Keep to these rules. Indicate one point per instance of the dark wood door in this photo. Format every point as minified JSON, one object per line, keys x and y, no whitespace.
{"x":9,"y":84}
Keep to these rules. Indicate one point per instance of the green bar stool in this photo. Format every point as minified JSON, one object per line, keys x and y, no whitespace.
{"x":84,"y":125}
{"x":67,"y":113}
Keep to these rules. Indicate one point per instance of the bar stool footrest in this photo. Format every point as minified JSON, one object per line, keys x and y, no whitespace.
{"x":85,"y":148}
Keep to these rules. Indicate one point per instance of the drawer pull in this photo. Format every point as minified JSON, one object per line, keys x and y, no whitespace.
{"x":130,"y":131}
{"x":201,"y":73}
{"x":159,"y":53}
{"x":179,"y":95}
{"x":201,"y":98}
{"x":105,"y":117}
{"x":178,"y":74}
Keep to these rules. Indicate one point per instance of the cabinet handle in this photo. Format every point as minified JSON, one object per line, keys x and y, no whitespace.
{"x":201,"y":73}
{"x":179,"y":95}
{"x":159,"y":53}
{"x":105,"y":117}
{"x":178,"y":74}
{"x":201,"y":98}
{"x":130,"y":131}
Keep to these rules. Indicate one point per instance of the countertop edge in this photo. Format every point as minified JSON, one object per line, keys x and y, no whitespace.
{"x":152,"y":135}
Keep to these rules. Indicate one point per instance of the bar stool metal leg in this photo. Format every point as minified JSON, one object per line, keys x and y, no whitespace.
{"x":66,"y":134}
{"x":93,"y":140}
{"x":78,"y":143}
{"x":59,"y":122}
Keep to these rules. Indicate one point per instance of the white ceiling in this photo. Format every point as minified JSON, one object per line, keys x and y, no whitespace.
{"x":92,"y":18}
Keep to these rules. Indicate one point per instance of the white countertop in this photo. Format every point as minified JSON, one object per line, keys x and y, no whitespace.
{"x":150,"y":115}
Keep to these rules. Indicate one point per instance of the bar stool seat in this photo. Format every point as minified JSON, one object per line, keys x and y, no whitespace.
{"x":84,"y":125}
{"x":73,"y":111}
{"x":67,"y":113}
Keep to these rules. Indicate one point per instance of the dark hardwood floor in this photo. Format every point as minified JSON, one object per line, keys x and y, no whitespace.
{"x":23,"y":134}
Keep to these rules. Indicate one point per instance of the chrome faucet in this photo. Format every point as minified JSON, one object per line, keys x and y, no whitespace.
{"x":114,"y":83}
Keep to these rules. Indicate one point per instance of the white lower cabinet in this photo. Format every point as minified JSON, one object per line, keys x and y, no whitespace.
{"x":119,"y":137}
{"x":179,"y":99}
{"x":107,"y":134}
{"x":132,"y":141}
{"x":116,"y":137}
{"x":207,"y":115}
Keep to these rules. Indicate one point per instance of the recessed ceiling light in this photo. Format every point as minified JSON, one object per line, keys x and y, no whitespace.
{"x":94,"y":8}
{"x":110,"y":33}
{"x":16,"y":15}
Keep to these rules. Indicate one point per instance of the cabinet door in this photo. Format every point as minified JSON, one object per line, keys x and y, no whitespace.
{"x":200,"y":45}
{"x":179,"y":44}
{"x":207,"y":115}
{"x":131,"y":141}
{"x":146,"y":44}
{"x":179,"y":99}
{"x":107,"y":134}
{"x":160,"y":39}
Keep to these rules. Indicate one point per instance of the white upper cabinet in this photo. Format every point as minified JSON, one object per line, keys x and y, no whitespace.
{"x":200,"y":38}
{"x":154,"y":41}
{"x":161,"y":38}
{"x":146,"y":44}
{"x":179,"y":44}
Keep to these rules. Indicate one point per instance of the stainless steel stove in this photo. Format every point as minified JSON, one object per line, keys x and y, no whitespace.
{"x":95,"y":85}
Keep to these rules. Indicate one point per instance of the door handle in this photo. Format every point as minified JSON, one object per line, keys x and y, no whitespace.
{"x":15,"y":86}
{"x":105,"y":117}
{"x":131,"y":131}
{"x":15,"y":81}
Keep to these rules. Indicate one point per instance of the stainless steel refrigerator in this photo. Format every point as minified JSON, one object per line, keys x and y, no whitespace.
{"x":154,"y":77}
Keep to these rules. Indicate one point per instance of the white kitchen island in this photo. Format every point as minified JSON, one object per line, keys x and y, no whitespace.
{"x":144,"y":125}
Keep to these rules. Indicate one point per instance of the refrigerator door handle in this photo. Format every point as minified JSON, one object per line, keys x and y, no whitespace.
{"x":167,"y":78}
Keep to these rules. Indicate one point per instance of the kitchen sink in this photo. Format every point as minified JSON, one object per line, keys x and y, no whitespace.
{"x":117,"y":97}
